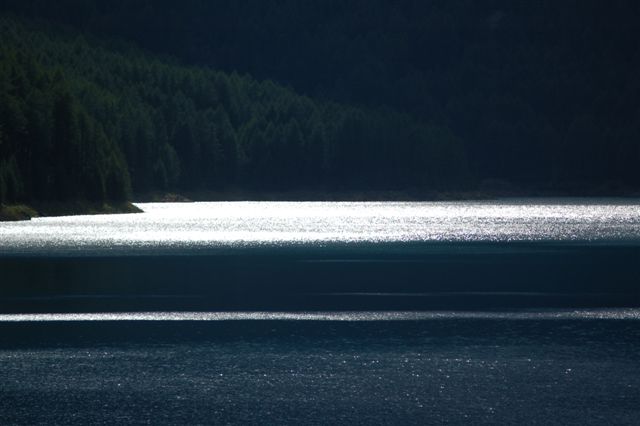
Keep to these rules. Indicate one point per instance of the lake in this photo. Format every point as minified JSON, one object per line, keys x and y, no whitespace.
{"x":336,"y":256}
{"x":518,"y":311}
{"x":178,"y":228}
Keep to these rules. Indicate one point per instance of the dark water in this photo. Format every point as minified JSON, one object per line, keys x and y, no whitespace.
{"x":353,"y":277}
{"x":432,"y":371}
{"x":336,"y":256}
{"x":518,"y":312}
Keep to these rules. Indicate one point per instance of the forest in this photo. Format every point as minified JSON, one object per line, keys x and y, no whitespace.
{"x":324,"y":94}
{"x":86,"y":121}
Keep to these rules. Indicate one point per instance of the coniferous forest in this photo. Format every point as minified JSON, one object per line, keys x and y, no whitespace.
{"x":83,"y":121}
{"x":100,"y":100}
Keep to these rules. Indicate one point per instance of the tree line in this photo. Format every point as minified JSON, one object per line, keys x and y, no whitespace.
{"x":542,"y":92}
{"x":82,"y":118}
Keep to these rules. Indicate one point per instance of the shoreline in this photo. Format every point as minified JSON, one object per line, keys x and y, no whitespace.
{"x":369,"y":195}
{"x":23,"y":212}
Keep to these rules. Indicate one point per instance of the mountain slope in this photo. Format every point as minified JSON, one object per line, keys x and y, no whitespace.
{"x":85,"y":120}
{"x":538,"y":92}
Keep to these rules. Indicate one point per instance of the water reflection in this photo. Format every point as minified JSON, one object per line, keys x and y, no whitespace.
{"x":549,"y":314}
{"x":237,"y":224}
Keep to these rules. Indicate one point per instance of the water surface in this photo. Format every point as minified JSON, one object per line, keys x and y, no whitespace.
{"x":171,"y":227}
{"x":349,"y":316}
{"x":579,"y":368}
{"x":327,"y":256}
{"x":506,"y":312}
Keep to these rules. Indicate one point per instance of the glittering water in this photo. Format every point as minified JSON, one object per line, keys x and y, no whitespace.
{"x":170,"y":226}
{"x":548,"y":314}
{"x":148,"y":362}
{"x":453,"y":369}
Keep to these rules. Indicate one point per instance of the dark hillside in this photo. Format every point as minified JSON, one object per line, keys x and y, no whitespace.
{"x":81,"y":120}
{"x":540,"y":93}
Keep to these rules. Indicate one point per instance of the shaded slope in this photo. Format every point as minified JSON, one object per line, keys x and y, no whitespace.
{"x":83,"y":120}
{"x":542,"y":93}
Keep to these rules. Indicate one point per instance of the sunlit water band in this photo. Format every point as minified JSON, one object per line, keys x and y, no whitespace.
{"x":169,"y":226}
{"x":579,"y":314}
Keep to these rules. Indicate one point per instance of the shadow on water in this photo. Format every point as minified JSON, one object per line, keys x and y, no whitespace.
{"x":388,"y":277}
{"x":294,"y":333}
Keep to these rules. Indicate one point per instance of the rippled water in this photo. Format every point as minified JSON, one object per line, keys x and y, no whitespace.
{"x":549,"y":314}
{"x":171,"y":226}
{"x":496,"y":334}
{"x":453,"y":369}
